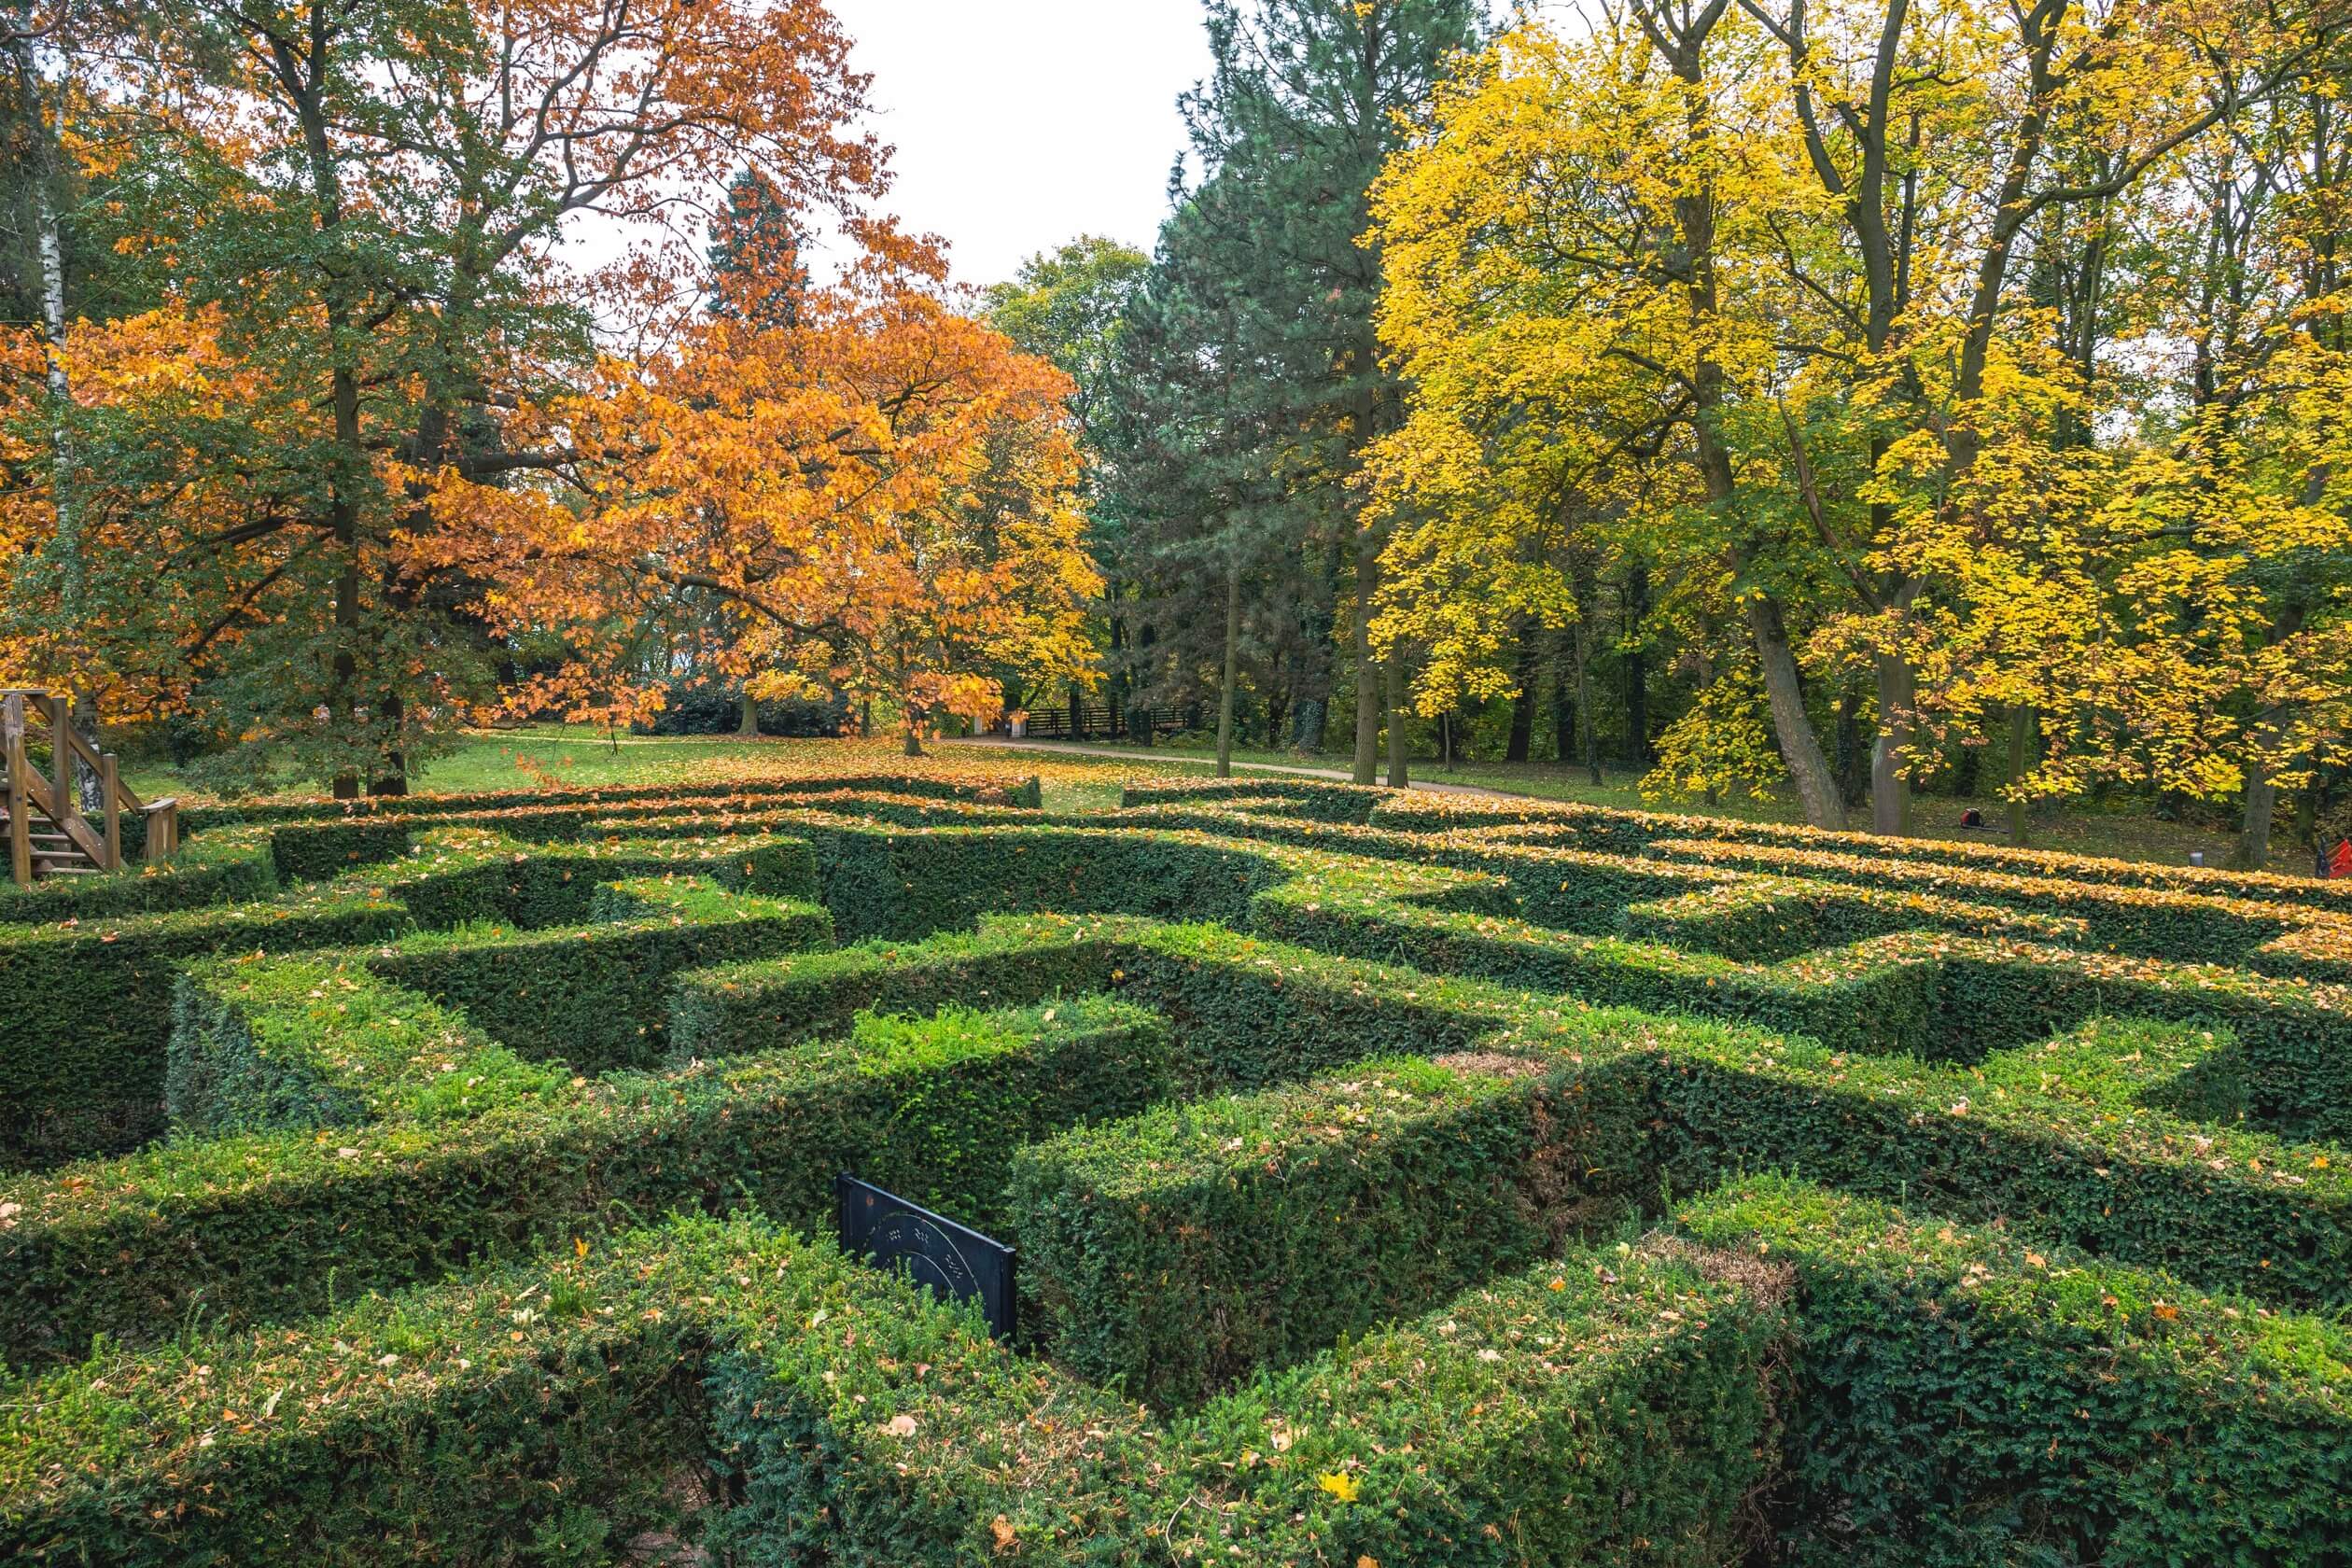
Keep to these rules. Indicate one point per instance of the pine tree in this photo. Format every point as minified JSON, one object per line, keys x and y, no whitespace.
{"x":1261,"y":275}
{"x":757,"y":272}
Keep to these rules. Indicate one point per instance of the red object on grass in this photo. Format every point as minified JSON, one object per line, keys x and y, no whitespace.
{"x":2340,"y":864}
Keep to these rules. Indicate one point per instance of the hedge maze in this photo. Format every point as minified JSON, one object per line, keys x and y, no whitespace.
{"x":1395,"y":1181}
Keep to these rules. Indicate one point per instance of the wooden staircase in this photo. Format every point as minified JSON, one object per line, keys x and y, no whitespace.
{"x":50,"y":832}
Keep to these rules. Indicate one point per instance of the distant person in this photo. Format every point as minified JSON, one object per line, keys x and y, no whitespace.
{"x":1973,"y":818}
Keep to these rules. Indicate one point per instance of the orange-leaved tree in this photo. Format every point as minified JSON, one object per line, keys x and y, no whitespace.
{"x":883,"y":490}
{"x":360,"y":216}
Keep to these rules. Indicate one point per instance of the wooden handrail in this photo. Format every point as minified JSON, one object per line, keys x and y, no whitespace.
{"x":56,"y":797}
{"x":20,"y":811}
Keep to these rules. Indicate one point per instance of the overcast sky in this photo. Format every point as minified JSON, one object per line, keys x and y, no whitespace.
{"x":1023,"y":124}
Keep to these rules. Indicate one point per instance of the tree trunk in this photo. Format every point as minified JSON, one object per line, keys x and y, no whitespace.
{"x":2261,"y":804}
{"x":305,"y":86}
{"x":2262,"y":793}
{"x":1310,"y":710}
{"x":1397,"y":711}
{"x":1800,"y":747}
{"x":1890,"y":791}
{"x":49,"y":237}
{"x":1563,"y":701}
{"x":1139,"y":714}
{"x":1523,"y":700}
{"x":1637,"y":607}
{"x":1114,"y":692}
{"x":1367,"y":675}
{"x":914,"y":737}
{"x":1232,"y":660}
{"x":1588,"y":733}
{"x":748,"y":724}
{"x":1849,"y":745}
{"x":2021,"y":759}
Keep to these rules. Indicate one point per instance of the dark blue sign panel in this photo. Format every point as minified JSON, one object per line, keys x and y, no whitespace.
{"x":956,"y":1261}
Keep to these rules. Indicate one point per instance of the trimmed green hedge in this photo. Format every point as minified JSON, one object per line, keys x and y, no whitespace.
{"x":253,"y":1226}
{"x":596,"y":995}
{"x":767,"y":1003}
{"x":869,"y":1429}
{"x":544,"y":1412}
{"x":1603,"y":1410}
{"x":85,"y":1012}
{"x":908,"y":883}
{"x":85,"y":1008}
{"x":1308,"y":799}
{"x":1706,"y":893}
{"x":1617,"y":1408}
{"x":2126,"y":1138}
{"x":1633,"y":831}
{"x":238,"y":1229}
{"x":1967,"y":1398}
{"x":454,"y":876}
{"x":2160,"y":923}
{"x":309,"y":1043}
{"x":935,"y":785}
{"x":1170,"y":1254}
{"x":1946,"y":997}
{"x":230,"y":866}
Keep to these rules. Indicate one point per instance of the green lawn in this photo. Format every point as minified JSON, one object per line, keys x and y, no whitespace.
{"x":571,"y":757}
{"x":2127,"y":835}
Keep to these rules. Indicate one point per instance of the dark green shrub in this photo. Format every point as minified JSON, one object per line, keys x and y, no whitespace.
{"x":321,"y":1042}
{"x":85,"y":1012}
{"x":1966,"y":1398}
{"x":596,"y":995}
{"x":458,"y":875}
{"x":1171,"y":1253}
{"x":1613,"y":1407}
{"x":238,"y":1229}
{"x":232,"y":865}
{"x":2126,"y":1138}
{"x":767,"y":1003}
{"x":542,"y":1412}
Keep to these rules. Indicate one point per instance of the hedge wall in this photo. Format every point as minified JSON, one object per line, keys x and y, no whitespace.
{"x":85,"y":1012}
{"x":454,"y":876}
{"x":1613,"y":1407}
{"x":544,"y":1412}
{"x":904,"y":884}
{"x":233,"y":865}
{"x":2126,"y":1138}
{"x":85,"y":1008}
{"x":1943,"y":997}
{"x":238,"y":1229}
{"x":309,"y":1043}
{"x":1632,"y":832}
{"x":596,"y":995}
{"x":936,"y":784}
{"x":1623,"y":1410}
{"x":1967,"y":1398}
{"x":1702,"y":893}
{"x":1170,"y":1254}
{"x":767,"y":1003}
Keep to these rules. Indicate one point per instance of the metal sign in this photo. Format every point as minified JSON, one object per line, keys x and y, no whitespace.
{"x":956,"y":1261}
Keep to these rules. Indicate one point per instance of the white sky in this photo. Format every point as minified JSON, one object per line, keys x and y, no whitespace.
{"x":1020,"y":125}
